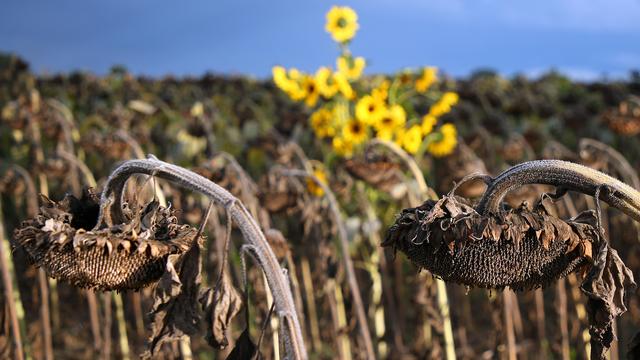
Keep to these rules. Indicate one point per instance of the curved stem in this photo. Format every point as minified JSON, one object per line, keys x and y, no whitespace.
{"x":278,"y":283}
{"x":344,"y":245}
{"x":617,"y":160}
{"x":86,"y":172}
{"x":31,"y":193}
{"x":32,"y":211}
{"x":566,"y":176}
{"x":411,"y":164}
{"x":11,"y":294}
{"x":66,"y":122}
{"x":135,"y":146}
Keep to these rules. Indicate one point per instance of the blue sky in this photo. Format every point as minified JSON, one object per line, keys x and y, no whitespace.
{"x":585,"y":39}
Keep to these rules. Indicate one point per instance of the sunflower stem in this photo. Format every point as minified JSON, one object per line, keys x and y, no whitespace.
{"x":278,"y":283}
{"x":442,"y":297}
{"x":563,"y":175}
{"x":350,"y":269}
{"x":11,"y":294}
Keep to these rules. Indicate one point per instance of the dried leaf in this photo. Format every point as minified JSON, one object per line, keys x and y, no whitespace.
{"x":245,"y":349}
{"x":380,"y":173}
{"x":220,"y":306}
{"x":278,"y":201}
{"x":605,"y":285}
{"x":174,"y":313}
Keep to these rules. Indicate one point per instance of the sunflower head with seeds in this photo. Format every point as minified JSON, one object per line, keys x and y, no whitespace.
{"x":349,"y":109}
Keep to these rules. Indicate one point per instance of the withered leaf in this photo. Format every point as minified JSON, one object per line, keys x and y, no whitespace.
{"x":220,"y":306}
{"x":382,"y":174}
{"x":605,"y":285}
{"x":174,"y":313}
{"x":245,"y":349}
{"x":277,"y":201}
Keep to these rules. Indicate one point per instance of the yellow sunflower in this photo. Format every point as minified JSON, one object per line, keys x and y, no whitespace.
{"x":428,"y":122}
{"x":382,"y":91}
{"x":321,"y":174}
{"x":343,"y":85}
{"x":399,"y":135}
{"x":370,"y":109}
{"x":351,"y":67}
{"x":394,"y":117}
{"x":311,"y":91}
{"x":322,"y":123}
{"x":327,"y":85}
{"x":355,"y":132}
{"x":280,"y":77}
{"x":429,"y":77}
{"x":342,"y":146}
{"x":444,"y":104}
{"x":289,"y":83}
{"x":342,"y":23}
{"x":412,"y":139}
{"x":446,"y":143}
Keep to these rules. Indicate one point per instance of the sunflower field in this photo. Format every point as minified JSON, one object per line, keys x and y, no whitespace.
{"x":334,"y":214}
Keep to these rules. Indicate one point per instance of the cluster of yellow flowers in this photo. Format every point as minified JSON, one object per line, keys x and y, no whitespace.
{"x":349,"y":115}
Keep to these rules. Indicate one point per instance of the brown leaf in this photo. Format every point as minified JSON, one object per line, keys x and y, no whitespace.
{"x":220,"y":306}
{"x":278,"y":201}
{"x":245,"y":349}
{"x":605,"y":285}
{"x":382,"y":173}
{"x":174,"y":313}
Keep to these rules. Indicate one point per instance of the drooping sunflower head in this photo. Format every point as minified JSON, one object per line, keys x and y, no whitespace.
{"x":342,"y":23}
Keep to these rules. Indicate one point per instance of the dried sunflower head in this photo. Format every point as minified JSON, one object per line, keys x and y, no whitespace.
{"x":378,"y":171}
{"x":521,"y":249}
{"x":62,"y":240}
{"x":110,"y":145}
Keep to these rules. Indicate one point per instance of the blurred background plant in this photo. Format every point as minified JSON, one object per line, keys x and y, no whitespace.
{"x":349,"y":109}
